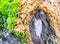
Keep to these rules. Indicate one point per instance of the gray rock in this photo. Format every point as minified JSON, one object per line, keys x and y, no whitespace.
{"x":40,"y":29}
{"x":0,"y":40}
{"x":7,"y":38}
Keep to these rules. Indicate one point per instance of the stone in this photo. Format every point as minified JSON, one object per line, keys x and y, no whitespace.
{"x":41,"y":30}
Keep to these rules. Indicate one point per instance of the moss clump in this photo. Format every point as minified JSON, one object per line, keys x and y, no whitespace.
{"x":8,"y":11}
{"x":8,"y":16}
{"x":22,"y":36}
{"x":1,"y":27}
{"x":0,"y":34}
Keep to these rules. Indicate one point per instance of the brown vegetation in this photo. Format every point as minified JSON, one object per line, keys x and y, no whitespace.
{"x":29,"y":7}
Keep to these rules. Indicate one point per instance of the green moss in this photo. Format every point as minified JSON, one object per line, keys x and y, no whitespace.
{"x":8,"y":12}
{"x":0,"y":34}
{"x":1,"y":27}
{"x":22,"y":37}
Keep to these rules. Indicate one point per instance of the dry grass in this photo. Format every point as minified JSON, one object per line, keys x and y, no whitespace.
{"x":29,"y":7}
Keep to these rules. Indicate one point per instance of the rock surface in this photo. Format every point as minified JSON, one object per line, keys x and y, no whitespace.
{"x":7,"y":38}
{"x":40,"y":29}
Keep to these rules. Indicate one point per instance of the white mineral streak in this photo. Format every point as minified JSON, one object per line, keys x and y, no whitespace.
{"x":38,"y":27}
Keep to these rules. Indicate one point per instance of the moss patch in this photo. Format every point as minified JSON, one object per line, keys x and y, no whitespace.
{"x":8,"y":16}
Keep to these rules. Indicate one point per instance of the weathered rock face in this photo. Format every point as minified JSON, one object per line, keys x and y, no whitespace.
{"x":7,"y":38}
{"x":29,"y":7}
{"x":40,"y":29}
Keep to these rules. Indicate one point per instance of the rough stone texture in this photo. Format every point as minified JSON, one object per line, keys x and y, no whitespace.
{"x":40,"y":29}
{"x":7,"y":38}
{"x":29,"y":7}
